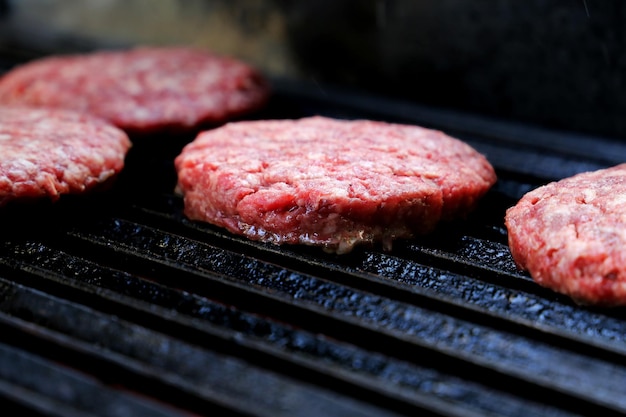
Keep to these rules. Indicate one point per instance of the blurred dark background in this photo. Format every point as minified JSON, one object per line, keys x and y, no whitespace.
{"x":559,"y":64}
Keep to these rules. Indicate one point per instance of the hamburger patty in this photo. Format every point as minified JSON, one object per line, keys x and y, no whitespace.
{"x":327,"y":182}
{"x":571,"y":236}
{"x":48,"y":152}
{"x":141,"y":90}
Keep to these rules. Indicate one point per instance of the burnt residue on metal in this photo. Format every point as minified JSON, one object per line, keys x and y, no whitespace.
{"x":470,"y":255}
{"x":408,"y":381}
{"x":476,"y":343}
{"x":219,"y":379}
{"x":501,"y":291}
{"x":550,"y":313}
{"x":489,"y":285}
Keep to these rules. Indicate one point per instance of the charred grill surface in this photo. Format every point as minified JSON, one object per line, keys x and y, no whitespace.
{"x":116,"y":304}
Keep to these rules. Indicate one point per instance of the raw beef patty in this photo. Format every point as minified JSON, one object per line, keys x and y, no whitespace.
{"x":571,"y":236}
{"x":141,"y":90}
{"x":327,"y":182}
{"x":48,"y":152}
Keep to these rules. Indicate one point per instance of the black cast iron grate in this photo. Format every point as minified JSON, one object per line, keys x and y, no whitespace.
{"x":115,"y":304}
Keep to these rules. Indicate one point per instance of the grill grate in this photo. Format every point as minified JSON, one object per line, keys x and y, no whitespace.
{"x":115,"y":304}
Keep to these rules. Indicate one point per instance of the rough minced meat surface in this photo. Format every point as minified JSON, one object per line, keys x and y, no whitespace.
{"x":45,"y":153}
{"x":141,"y":90}
{"x":327,"y":182}
{"x":570,"y":235}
